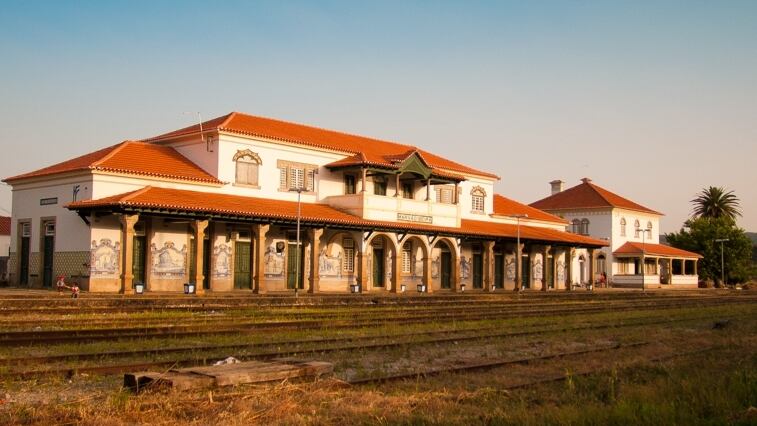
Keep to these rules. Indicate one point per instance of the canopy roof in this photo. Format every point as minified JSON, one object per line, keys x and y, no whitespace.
{"x":637,"y":249}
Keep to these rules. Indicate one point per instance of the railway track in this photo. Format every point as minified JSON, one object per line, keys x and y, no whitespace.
{"x":12,"y":339}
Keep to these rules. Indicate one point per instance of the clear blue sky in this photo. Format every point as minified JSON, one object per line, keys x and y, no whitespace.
{"x":653,"y":100}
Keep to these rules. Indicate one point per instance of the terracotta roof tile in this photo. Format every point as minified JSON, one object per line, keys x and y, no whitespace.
{"x":587,"y":195}
{"x":654,"y":249}
{"x":5,"y":225}
{"x":133,"y":158}
{"x":504,"y":206}
{"x":232,"y":205}
{"x":373,"y":149}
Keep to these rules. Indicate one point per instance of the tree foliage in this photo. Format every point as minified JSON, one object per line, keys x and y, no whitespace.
{"x":715,"y":202}
{"x":699,"y":235}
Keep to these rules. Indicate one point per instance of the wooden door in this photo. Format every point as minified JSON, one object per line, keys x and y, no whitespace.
{"x":499,"y":270}
{"x":446,"y":269}
{"x":47,"y":261}
{"x":379,"y":266}
{"x":478,"y":270}
{"x":242,"y":263}
{"x":206,"y":264}
{"x":24,"y":267}
{"x":294,"y":272}
{"x":138,"y":259}
{"x":526,"y":272}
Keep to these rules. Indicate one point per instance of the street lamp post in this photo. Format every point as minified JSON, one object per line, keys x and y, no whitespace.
{"x":643,"y":258}
{"x":722,"y":261}
{"x":517,"y":244}
{"x":298,"y":190}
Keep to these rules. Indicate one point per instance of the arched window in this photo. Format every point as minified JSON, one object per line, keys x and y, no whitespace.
{"x":584,"y":226}
{"x":478,"y":195}
{"x":575,"y":226}
{"x":247,"y":164}
{"x":636,"y":228}
{"x":649,"y":229}
{"x":622,"y":227}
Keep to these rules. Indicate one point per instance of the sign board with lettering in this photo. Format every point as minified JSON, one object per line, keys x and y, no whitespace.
{"x":406,"y":217}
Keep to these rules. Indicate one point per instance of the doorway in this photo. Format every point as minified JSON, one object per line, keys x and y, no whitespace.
{"x":242,"y":263}
{"x":379,"y":267}
{"x":445,"y":267}
{"x":478,"y":268}
{"x":23,"y":270}
{"x":48,"y":251}
{"x":138,"y":259}
{"x":499,"y":270}
{"x":526,"y":271}
{"x":295,"y":272}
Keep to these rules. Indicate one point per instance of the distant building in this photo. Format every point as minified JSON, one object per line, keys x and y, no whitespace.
{"x":5,"y":245}
{"x":213,"y":205}
{"x":633,"y":234}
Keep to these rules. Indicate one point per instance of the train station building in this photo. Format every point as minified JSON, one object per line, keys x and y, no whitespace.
{"x":217,"y":205}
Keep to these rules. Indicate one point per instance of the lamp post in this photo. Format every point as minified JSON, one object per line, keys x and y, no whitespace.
{"x":298,"y":190}
{"x":643,"y":258}
{"x":517,"y":245}
{"x":722,"y":261}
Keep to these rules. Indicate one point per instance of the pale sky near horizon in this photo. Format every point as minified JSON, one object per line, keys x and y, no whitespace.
{"x":653,"y":100}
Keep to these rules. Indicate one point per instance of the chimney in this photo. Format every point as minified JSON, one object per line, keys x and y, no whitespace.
{"x":585,"y":180}
{"x":556,"y":186}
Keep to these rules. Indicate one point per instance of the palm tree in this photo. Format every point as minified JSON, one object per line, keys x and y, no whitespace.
{"x":714,"y":202}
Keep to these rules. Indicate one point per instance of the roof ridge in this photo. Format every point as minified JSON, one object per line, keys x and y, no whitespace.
{"x":225,"y":121}
{"x":133,"y":194}
{"x":118,"y":147}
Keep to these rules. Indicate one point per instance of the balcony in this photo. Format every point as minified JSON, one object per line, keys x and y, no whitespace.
{"x":397,"y":209}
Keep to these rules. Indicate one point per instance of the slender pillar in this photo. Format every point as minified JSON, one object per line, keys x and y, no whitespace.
{"x":397,"y":185}
{"x":363,"y":179}
{"x":457,"y":195}
{"x":593,"y":267}
{"x":457,"y":250}
{"x":488,"y":247}
{"x":315,"y":250}
{"x":555,"y":256}
{"x":260,"y":232}
{"x":545,"y":256}
{"x":396,"y":270}
{"x":569,"y":254}
{"x":427,"y":270}
{"x":199,"y":226}
{"x":362,"y":269}
{"x":519,"y":266}
{"x":428,"y":189}
{"x":127,"y":247}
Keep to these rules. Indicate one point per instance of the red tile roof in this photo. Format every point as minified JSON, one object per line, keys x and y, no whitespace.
{"x":133,"y":158}
{"x":372,"y":149}
{"x":175,"y":200}
{"x":5,"y":225}
{"x":504,"y":206}
{"x":392,"y":162}
{"x":587,"y":195}
{"x":654,"y":249}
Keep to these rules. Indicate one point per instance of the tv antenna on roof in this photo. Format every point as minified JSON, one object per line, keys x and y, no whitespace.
{"x":209,"y":141}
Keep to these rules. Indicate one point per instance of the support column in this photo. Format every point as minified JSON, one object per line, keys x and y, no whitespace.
{"x":569,"y":254}
{"x":427,"y":270}
{"x":683,"y":266}
{"x":456,"y":268}
{"x":555,"y":256}
{"x":315,"y":250}
{"x":362,"y":270}
{"x":260,"y":232}
{"x":488,"y":247}
{"x":397,"y":185}
{"x":127,"y":247}
{"x":544,"y":257}
{"x":199,"y":226}
{"x":396,"y":270}
{"x":428,"y":189}
{"x":519,"y":266}
{"x":593,"y":268}
{"x":363,"y":179}
{"x":457,"y":191}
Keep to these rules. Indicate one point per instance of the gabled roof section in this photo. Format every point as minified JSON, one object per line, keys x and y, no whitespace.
{"x":131,"y":158}
{"x":5,"y":225}
{"x":587,"y":195}
{"x":504,"y":206}
{"x":634,"y":248}
{"x":374,"y":150}
{"x":204,"y":204}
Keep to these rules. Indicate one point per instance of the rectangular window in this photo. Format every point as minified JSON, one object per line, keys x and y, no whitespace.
{"x":349,"y":255}
{"x":296,"y":175}
{"x":407,"y":190}
{"x":49,"y":229}
{"x":379,"y":186}
{"x":349,"y":184}
{"x":477,"y":203}
{"x":444,"y":195}
{"x":623,"y":267}
{"x":622,"y":230}
{"x":406,"y":258}
{"x":26,"y":229}
{"x":247,"y":173}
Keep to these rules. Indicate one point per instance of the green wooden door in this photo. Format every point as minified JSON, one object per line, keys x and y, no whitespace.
{"x":138,"y":259}
{"x":446,"y":269}
{"x":478,"y":270}
{"x":242,"y":269}
{"x":24,"y":267}
{"x":499,"y":270}
{"x":206,"y":264}
{"x":379,"y":264}
{"x":295,"y":273}
{"x":526,"y":272}
{"x":47,"y":261}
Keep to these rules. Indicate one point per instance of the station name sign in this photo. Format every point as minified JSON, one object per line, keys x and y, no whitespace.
{"x":405,"y":217}
{"x":48,"y":201}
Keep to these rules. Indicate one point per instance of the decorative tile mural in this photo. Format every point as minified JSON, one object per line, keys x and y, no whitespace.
{"x":168,"y":261}
{"x":221,"y":261}
{"x":538,"y":270}
{"x":273,"y":262}
{"x":330,"y":266}
{"x":465,"y":268}
{"x":560,"y":271}
{"x":510,"y":268}
{"x":104,"y":258}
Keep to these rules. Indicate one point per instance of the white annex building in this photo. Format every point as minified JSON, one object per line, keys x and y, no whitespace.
{"x":217,"y":205}
{"x":633,"y":235}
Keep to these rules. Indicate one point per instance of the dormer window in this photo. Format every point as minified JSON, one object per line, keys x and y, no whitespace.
{"x":247,"y":167}
{"x":478,"y":197}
